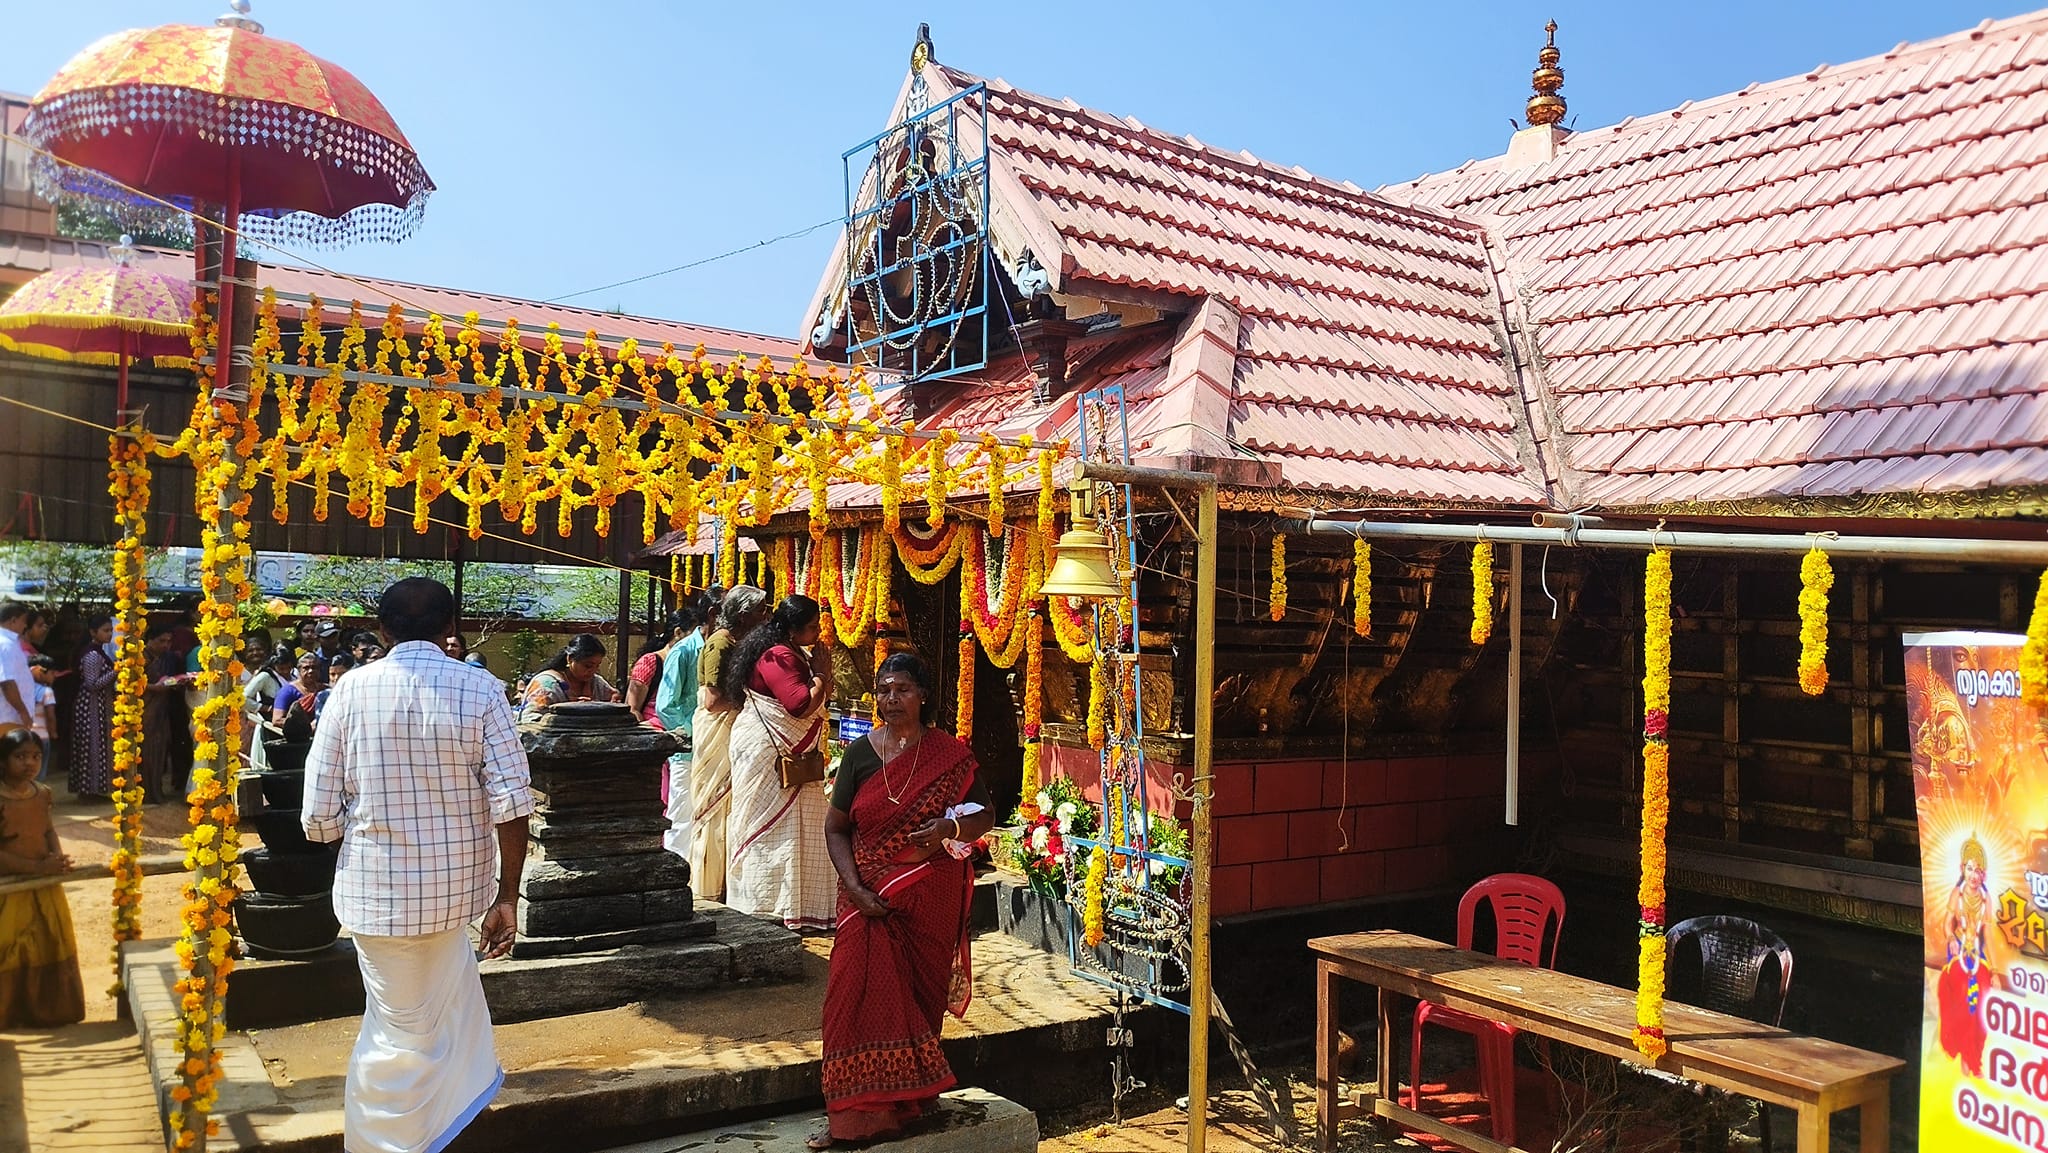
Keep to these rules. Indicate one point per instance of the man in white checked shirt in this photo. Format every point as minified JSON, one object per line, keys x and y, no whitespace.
{"x":415,"y":763}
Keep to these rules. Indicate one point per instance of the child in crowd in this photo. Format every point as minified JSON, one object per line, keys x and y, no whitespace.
{"x":40,"y":984}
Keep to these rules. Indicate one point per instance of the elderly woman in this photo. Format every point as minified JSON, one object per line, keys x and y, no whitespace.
{"x":570,"y":676}
{"x":907,"y":803}
{"x":776,"y":864}
{"x":710,"y":772}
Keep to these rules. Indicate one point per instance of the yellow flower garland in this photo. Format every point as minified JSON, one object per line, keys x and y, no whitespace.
{"x":2034,"y":656}
{"x":129,"y":486}
{"x":1361,"y":587}
{"x":1276,"y":603}
{"x":1482,"y":592}
{"x":1816,"y":578}
{"x":1649,"y":1035}
{"x":1098,"y":702}
{"x":1034,"y":710}
{"x":1093,"y":914}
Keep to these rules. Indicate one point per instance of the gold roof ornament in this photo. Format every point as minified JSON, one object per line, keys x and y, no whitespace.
{"x":1547,"y":107}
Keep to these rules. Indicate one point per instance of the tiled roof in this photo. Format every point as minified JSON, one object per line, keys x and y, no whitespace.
{"x":1829,"y":287}
{"x":1354,"y":342}
{"x":23,"y":253}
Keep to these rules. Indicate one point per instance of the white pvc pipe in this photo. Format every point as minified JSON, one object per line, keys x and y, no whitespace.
{"x":1514,"y":781}
{"x":1971,"y":550}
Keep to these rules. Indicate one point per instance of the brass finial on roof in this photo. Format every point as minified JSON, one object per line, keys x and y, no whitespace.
{"x":1546,"y":106}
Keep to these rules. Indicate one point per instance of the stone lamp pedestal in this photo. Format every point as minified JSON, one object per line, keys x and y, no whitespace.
{"x":597,"y":876}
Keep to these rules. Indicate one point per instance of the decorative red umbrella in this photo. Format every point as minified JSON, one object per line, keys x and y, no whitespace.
{"x":228,"y":116}
{"x":103,"y":315}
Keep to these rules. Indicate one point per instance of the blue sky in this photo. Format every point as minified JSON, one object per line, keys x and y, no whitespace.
{"x":578,"y":144}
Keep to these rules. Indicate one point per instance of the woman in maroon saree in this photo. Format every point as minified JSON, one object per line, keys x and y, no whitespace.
{"x":906,"y":804}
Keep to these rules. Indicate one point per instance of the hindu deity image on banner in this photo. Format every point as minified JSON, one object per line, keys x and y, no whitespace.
{"x":1980,"y":787}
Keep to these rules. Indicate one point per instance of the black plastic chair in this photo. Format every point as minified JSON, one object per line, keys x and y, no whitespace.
{"x":1732,"y":953}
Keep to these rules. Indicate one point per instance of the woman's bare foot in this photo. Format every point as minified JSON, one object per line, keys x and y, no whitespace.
{"x":820,"y":1140}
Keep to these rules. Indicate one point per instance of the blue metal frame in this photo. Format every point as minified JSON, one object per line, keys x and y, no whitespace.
{"x":951,"y":174}
{"x":1136,"y":804}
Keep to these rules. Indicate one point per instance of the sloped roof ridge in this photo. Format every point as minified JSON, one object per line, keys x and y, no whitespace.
{"x":1241,"y":162}
{"x":1201,"y":228}
{"x":1750,"y":95}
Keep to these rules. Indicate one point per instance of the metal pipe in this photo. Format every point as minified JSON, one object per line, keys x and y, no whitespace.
{"x":1971,"y":551}
{"x":1514,"y":781}
{"x":1201,"y":848}
{"x":1200,"y":851}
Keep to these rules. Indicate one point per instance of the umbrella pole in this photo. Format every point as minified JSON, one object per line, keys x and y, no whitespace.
{"x":121,"y":382}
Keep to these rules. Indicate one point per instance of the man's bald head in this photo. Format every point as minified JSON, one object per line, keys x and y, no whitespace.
{"x":416,"y":609}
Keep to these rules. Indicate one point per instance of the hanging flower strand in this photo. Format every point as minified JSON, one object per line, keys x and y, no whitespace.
{"x":1276,"y":601}
{"x":129,"y":486}
{"x":1482,"y":591}
{"x":1361,"y":587}
{"x":1816,"y":578}
{"x":2034,"y":656}
{"x":1649,"y":1036}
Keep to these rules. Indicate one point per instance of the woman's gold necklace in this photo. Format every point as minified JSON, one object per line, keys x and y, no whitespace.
{"x":916,"y":750}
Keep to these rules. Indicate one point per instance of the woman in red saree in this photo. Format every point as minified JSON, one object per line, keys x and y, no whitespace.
{"x":905,"y":806}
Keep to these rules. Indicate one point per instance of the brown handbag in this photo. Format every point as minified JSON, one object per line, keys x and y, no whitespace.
{"x":805,"y":768}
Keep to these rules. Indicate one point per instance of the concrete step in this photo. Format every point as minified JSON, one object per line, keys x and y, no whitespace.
{"x":965,"y":1119}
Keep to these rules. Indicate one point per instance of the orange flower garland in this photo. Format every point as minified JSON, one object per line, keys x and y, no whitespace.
{"x":1034,"y":709}
{"x":1093,"y":913}
{"x":1816,"y":579}
{"x":1649,"y":1037}
{"x":1098,"y":702}
{"x":963,"y":700}
{"x":129,"y":486}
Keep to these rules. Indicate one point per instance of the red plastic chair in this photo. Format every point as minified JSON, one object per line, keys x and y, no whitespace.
{"x":1528,"y":914}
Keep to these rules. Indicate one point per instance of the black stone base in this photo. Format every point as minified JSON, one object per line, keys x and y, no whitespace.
{"x":695,"y":929}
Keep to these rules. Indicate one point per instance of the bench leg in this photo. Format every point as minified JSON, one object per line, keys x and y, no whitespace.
{"x":1388,"y":1084}
{"x":1813,"y":1129}
{"x":1326,"y":1056}
{"x":1875,"y":1121}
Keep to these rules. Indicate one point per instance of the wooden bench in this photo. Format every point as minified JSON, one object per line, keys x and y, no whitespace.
{"x":1816,"y":1078}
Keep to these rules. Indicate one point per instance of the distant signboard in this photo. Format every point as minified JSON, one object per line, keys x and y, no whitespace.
{"x":854,"y":728}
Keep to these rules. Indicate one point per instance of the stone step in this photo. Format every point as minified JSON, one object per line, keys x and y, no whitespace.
{"x":965,"y":1119}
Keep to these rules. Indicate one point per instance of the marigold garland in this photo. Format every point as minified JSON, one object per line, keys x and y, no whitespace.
{"x":128,"y":484}
{"x":1816,"y":578}
{"x":1092,"y":910}
{"x":1276,"y":600}
{"x":1649,"y":1035}
{"x":1361,"y":587}
{"x":1098,"y":702}
{"x":963,"y":700}
{"x":1034,"y":709}
{"x":1482,"y":591}
{"x":2034,"y":655}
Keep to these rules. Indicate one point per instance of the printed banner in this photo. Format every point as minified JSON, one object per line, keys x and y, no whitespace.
{"x":1981,"y":789}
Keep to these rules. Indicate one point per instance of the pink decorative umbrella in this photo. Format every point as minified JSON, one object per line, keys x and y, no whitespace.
{"x":102,"y":315}
{"x":226,"y":115}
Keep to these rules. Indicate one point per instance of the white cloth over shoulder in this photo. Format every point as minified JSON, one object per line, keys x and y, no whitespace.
{"x":424,"y":1064}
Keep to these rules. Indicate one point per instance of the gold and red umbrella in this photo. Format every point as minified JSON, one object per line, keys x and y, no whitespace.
{"x":228,"y":116}
{"x":108,"y":314}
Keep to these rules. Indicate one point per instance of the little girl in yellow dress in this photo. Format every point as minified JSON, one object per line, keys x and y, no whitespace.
{"x":39,"y":981}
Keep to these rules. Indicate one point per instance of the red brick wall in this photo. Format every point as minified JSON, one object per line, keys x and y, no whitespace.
{"x":1308,"y":832}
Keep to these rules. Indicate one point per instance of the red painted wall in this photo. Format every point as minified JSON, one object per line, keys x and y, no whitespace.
{"x":1293,"y":833}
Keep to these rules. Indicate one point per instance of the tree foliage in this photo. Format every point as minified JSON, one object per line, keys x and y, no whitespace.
{"x":68,"y":574}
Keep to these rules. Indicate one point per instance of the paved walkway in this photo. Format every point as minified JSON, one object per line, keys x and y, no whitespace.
{"x":80,"y":1089}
